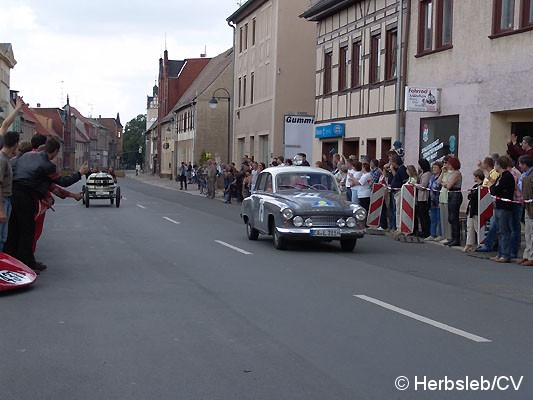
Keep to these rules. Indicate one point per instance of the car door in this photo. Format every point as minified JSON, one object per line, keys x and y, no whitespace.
{"x":254,"y":200}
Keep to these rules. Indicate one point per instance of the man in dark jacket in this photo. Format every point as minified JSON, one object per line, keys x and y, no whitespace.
{"x":33,"y":174}
{"x":503,"y":190}
{"x":399,"y":178}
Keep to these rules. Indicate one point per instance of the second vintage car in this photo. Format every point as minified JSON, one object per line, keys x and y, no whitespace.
{"x":302,"y":203}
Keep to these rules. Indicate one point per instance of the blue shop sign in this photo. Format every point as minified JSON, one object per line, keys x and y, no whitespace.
{"x":328,"y":131}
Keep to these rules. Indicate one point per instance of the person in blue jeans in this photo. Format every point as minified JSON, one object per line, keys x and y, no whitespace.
{"x":9,"y":149}
{"x":435,"y":228}
{"x":503,"y":189}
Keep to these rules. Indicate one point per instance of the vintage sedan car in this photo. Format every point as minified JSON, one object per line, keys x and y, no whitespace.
{"x":302,"y":203}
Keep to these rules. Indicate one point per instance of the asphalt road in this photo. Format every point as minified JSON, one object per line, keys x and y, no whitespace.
{"x":165,"y":298}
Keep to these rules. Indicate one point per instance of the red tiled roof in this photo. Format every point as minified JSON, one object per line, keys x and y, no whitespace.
{"x":53,"y":114}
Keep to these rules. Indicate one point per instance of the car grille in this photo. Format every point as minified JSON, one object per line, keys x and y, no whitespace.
{"x":329,"y":220}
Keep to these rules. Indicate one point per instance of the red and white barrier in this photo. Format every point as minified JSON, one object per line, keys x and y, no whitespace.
{"x":407,"y":212}
{"x":376,"y":204}
{"x":485,"y":211}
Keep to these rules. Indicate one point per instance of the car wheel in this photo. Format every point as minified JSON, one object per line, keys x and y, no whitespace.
{"x":252,"y":233}
{"x":280,"y":243}
{"x":83,"y":197}
{"x":86,"y":198}
{"x":348,"y":244}
{"x":117,"y":195}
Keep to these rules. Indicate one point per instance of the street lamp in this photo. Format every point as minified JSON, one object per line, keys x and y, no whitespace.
{"x":213,"y":103}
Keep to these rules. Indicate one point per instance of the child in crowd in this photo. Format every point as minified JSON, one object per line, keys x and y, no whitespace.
{"x":472,"y":212}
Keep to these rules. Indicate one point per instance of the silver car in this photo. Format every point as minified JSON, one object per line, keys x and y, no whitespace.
{"x":301,"y":203}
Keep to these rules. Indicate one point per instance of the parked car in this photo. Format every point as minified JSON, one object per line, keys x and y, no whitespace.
{"x":302,"y":203}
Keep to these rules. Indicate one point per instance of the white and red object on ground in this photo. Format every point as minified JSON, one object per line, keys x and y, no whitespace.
{"x":14,"y":274}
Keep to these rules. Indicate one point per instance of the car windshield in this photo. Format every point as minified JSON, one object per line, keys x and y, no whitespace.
{"x":307,"y":180}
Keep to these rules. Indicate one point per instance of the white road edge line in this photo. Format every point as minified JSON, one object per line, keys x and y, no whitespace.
{"x":141,"y":206}
{"x":233,"y":247}
{"x":171,"y":220}
{"x":425,"y":320}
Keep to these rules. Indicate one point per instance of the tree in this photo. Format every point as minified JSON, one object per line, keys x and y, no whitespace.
{"x":133,"y":141}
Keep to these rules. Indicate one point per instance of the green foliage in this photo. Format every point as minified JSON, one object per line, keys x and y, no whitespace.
{"x":133,"y":140}
{"x":204,"y":156}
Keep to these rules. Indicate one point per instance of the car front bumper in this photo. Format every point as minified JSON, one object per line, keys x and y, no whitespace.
{"x":306,"y":233}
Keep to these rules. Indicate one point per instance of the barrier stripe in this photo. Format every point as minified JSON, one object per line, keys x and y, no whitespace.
{"x":377,"y":199}
{"x":485,"y":211}
{"x":407,"y":212}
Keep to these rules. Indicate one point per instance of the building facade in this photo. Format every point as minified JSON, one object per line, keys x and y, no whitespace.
{"x":273,"y":75}
{"x":175,"y":77}
{"x":356,"y":86}
{"x":199,"y":127}
{"x":7,"y":63}
{"x":476,"y":55}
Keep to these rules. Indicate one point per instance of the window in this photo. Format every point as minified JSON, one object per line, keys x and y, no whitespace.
{"x":526,"y":17}
{"x":240,"y":88}
{"x":252,"y":84}
{"x":253,"y":32}
{"x":240,"y":40}
{"x":244,"y":91}
{"x":357,"y":64}
{"x":375,"y":58}
{"x":444,"y":23}
{"x":343,"y":67}
{"x":425,"y":26}
{"x":391,"y":55}
{"x":503,"y":15}
{"x":327,"y":73}
{"x":245,"y":36}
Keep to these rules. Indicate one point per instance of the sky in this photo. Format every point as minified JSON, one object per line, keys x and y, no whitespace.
{"x":105,"y":54}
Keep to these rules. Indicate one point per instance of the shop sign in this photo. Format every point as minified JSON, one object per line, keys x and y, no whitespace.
{"x":329,"y":131}
{"x":439,"y":137}
{"x":422,"y":99}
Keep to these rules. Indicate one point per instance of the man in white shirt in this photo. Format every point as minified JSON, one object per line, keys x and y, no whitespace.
{"x":349,"y":174}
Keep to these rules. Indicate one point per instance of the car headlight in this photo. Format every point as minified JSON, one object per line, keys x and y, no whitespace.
{"x":360,"y":214}
{"x":287,"y":213}
{"x":308,"y":222}
{"x":341,"y":223}
{"x":350,"y":222}
{"x":298,"y":221}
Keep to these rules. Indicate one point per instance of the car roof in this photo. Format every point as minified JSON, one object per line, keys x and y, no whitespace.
{"x":298,"y":169}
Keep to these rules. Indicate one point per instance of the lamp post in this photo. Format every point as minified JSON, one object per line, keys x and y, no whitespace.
{"x":213,"y":103}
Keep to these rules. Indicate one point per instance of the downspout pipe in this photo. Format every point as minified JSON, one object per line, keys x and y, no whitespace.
{"x":399,"y":70}
{"x":404,"y":77}
{"x":230,"y":102}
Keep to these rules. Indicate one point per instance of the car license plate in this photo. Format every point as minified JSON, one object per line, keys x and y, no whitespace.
{"x":331,"y":232}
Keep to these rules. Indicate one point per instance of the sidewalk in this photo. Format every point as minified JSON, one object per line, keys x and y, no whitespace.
{"x":155,"y":180}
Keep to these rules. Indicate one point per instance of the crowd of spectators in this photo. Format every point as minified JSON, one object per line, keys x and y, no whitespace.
{"x":28,"y":178}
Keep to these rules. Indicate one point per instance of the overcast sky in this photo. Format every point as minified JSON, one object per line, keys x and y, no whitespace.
{"x":105,"y":54}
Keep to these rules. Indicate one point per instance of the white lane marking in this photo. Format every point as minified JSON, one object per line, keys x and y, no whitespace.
{"x":233,"y":247}
{"x":171,"y":220}
{"x":141,"y":206}
{"x":425,"y":320}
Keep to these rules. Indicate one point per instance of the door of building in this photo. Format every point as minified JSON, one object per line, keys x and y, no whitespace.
{"x":350,"y":147}
{"x":371,"y":148}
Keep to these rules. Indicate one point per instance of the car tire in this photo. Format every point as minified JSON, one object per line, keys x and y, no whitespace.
{"x":280,"y":243}
{"x":86,"y":198}
{"x":348,"y":244}
{"x":118,"y":197}
{"x":83,"y":197}
{"x":252,"y":233}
